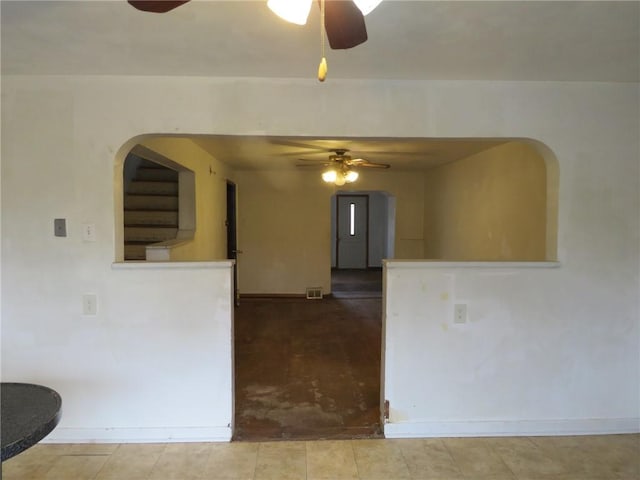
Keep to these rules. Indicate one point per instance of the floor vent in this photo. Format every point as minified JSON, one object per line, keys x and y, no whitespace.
{"x":314,"y":293}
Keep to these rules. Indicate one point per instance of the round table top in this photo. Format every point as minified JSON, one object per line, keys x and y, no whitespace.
{"x":29,"y":413}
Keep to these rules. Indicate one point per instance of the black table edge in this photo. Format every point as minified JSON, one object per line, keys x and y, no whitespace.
{"x":20,"y":445}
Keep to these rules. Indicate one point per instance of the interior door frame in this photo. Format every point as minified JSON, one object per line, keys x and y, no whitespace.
{"x":337,"y":226}
{"x":231,"y":223}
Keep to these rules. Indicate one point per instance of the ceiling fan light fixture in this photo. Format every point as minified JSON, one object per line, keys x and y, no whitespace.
{"x":330,"y":175}
{"x":351,"y":176}
{"x":367,"y":6}
{"x":293,"y":11}
{"x":341,"y":168}
{"x":339,"y":176}
{"x":340,"y":180}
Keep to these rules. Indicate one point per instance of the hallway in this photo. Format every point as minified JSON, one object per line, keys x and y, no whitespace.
{"x":307,"y":369}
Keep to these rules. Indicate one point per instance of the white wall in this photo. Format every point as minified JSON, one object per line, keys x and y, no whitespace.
{"x":60,"y":137}
{"x":522,"y":363}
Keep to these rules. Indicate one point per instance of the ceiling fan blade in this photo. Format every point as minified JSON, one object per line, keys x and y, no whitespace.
{"x":376,"y":165}
{"x":312,"y":165}
{"x":344,"y":24}
{"x":360,"y":162}
{"x":313,"y":160}
{"x":307,"y":147}
{"x":156,"y":6}
{"x":397,"y":153}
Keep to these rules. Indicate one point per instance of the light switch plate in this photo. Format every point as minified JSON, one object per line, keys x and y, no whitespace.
{"x":89,"y":304}
{"x":60,"y":227}
{"x":89,"y":232}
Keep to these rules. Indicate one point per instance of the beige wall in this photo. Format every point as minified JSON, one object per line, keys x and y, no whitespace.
{"x":468,"y":210}
{"x":210,"y":238}
{"x":490,"y":206}
{"x":284,"y":228}
{"x":283,"y":232}
{"x":408,"y":190}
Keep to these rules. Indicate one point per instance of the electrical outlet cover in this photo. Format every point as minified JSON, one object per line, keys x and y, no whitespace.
{"x":460,"y":313}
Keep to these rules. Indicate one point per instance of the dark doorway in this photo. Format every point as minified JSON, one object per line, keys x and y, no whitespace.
{"x":352,"y":226}
{"x":232,"y":236}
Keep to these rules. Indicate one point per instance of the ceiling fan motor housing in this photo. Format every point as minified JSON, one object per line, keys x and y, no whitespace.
{"x":340,"y":156}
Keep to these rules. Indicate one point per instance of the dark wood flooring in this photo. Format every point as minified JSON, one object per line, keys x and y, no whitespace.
{"x":307,"y":369}
{"x":356,"y":283}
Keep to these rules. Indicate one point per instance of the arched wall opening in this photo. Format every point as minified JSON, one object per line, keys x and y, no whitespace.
{"x":499,"y":203}
{"x":201,"y":232}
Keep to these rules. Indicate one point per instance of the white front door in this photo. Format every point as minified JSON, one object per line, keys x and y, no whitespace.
{"x":352,"y":229}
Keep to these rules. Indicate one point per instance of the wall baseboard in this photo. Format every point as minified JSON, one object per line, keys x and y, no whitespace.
{"x":391,"y":430}
{"x":595,"y":426}
{"x":139,"y":435}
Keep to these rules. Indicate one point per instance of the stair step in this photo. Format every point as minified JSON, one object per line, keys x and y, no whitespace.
{"x":135,"y":251}
{"x":151,"y":209}
{"x":156,"y":174}
{"x":149,"y":234}
{"x":151,"y":217}
{"x":153,"y":188}
{"x":151,"y":202}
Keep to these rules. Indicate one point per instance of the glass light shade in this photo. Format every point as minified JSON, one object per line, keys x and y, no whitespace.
{"x":366,"y":6}
{"x":340,"y":180}
{"x":329,"y":176}
{"x":293,"y":11}
{"x":351,"y":176}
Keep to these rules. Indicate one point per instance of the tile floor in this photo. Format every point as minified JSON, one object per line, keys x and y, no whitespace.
{"x":610,"y":457}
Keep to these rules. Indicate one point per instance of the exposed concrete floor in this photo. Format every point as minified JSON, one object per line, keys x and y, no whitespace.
{"x":307,"y":369}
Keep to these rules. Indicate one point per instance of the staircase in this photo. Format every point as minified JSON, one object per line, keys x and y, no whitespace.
{"x":150,"y":209}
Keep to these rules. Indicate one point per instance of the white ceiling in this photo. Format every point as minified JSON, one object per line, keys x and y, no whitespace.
{"x":479,"y":40}
{"x":408,"y":40}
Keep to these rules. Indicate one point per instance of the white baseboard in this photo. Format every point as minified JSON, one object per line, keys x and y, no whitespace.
{"x":512,"y":428}
{"x":391,"y":430}
{"x":139,"y":435}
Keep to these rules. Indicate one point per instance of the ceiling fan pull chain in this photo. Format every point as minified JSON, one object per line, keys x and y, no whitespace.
{"x":322,"y":69}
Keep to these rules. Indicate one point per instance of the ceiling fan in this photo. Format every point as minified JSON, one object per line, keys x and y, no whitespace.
{"x":339,"y":167}
{"x":343,"y":19}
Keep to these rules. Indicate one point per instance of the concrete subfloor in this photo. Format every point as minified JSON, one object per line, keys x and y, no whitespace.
{"x":307,"y":369}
